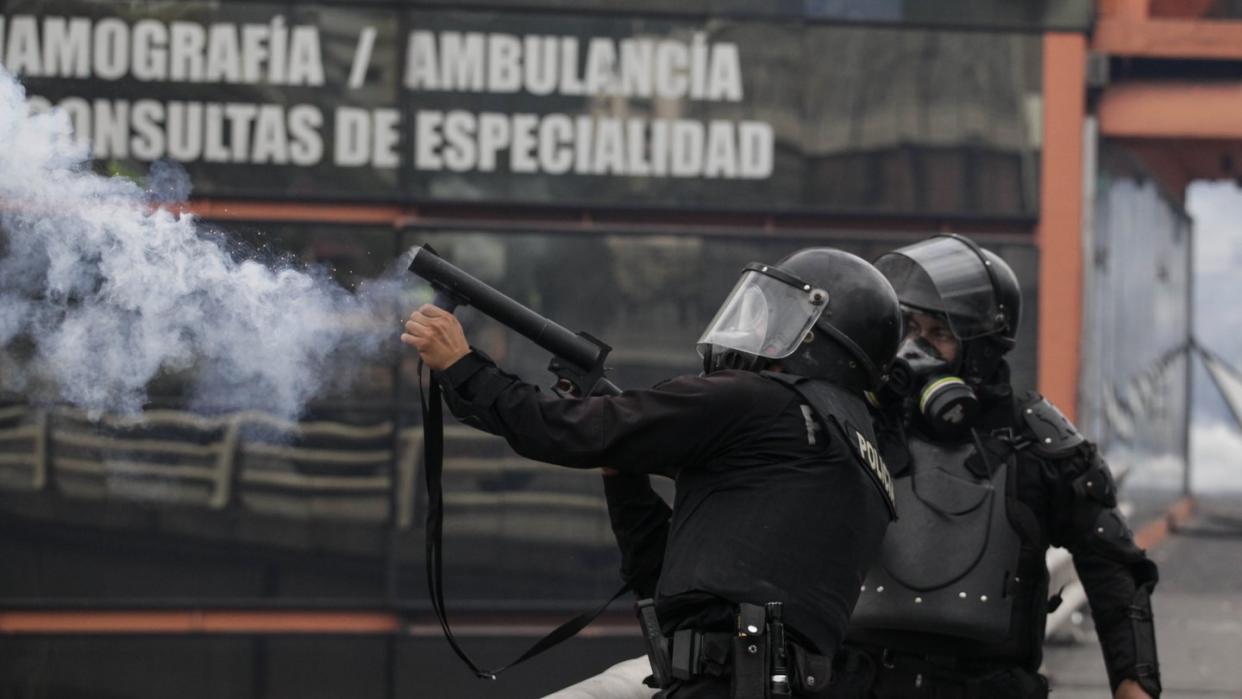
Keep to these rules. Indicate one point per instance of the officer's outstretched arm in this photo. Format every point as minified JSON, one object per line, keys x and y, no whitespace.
{"x":1115,"y":573}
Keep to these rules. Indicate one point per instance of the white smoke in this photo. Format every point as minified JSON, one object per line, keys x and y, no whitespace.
{"x":1216,"y":455}
{"x":100,"y":292}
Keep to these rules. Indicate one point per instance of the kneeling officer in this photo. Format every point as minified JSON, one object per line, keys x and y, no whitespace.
{"x":781,"y":497}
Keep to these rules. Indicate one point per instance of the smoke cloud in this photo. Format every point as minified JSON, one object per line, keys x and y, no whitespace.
{"x":100,"y":291}
{"x":1215,"y":449}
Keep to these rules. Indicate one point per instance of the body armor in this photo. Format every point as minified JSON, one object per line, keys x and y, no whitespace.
{"x":949,"y":564}
{"x":829,"y":505}
{"x":843,"y":413}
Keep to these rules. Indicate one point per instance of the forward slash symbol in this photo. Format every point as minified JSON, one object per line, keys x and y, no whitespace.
{"x":362,"y":58}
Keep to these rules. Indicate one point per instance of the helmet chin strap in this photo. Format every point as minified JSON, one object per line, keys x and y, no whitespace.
{"x":720,"y":358}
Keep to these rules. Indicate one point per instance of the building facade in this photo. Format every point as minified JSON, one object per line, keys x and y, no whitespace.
{"x":612,"y":165}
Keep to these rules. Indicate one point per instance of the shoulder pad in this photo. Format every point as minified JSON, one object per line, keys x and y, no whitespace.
{"x":1050,"y":432}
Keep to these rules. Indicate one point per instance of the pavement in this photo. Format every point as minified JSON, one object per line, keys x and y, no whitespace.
{"x":1198,"y":609}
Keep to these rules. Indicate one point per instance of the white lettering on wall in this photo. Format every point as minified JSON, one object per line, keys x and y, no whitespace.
{"x":189,"y":131}
{"x":613,"y":134}
{"x":451,"y":61}
{"x":151,"y":50}
{"x":556,"y":144}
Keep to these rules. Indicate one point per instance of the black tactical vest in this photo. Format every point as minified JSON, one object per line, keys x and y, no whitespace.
{"x":845,"y":414}
{"x":948,"y":566}
{"x":820,"y":520}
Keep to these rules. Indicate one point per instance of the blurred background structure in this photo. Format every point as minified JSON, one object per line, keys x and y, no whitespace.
{"x":243,"y":555}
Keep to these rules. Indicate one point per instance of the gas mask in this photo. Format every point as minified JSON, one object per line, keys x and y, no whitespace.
{"x":947,"y":404}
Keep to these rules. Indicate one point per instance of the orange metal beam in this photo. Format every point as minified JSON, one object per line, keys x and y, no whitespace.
{"x":1172,"y":110}
{"x":1129,"y":9}
{"x":196,"y":621}
{"x":302,"y":212}
{"x":602,"y":221}
{"x":1168,"y":38}
{"x":1061,"y":219}
{"x":293,"y":621}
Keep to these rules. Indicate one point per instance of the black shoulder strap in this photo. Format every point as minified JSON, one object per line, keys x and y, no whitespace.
{"x":849,"y":415}
{"x":433,"y":465}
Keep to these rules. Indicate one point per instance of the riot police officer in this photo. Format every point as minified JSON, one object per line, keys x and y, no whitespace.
{"x":782,"y":498}
{"x":986,"y":481}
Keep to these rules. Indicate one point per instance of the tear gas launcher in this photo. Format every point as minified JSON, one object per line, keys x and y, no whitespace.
{"x":577,"y":358}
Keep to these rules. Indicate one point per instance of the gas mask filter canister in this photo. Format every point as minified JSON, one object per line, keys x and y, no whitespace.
{"x":947,"y":403}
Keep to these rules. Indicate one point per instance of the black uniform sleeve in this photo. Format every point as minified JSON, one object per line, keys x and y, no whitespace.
{"x":1115,"y":573}
{"x":660,"y":430}
{"x":640,"y":522}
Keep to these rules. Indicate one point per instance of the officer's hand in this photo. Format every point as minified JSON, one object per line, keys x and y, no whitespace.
{"x":437,"y":336}
{"x":1129,"y":689}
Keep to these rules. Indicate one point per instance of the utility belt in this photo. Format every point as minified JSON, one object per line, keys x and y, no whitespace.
{"x":898,"y":673}
{"x":758,"y":658}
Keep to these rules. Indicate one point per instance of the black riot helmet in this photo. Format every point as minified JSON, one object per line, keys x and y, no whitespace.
{"x":950,"y":276}
{"x":820,"y":313}
{"x":977,"y":294}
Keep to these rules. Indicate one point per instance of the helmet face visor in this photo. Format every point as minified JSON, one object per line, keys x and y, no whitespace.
{"x":765,"y":316}
{"x":946,"y":276}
